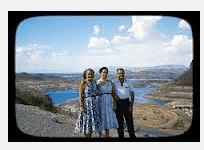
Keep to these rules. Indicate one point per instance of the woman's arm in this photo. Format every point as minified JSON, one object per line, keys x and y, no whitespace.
{"x":81,"y":95}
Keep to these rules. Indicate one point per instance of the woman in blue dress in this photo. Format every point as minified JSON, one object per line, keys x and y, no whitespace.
{"x":106,"y":94}
{"x":89,"y":118}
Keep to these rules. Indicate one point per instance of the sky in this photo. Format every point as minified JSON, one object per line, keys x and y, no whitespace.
{"x":71,"y":44}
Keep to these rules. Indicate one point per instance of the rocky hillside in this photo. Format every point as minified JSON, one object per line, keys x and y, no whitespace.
{"x":185,"y":79}
{"x":179,"y":92}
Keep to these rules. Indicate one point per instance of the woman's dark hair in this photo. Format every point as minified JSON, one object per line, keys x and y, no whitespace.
{"x":85,"y":71}
{"x":100,"y":70}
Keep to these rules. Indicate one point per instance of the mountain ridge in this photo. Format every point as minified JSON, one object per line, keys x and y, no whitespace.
{"x":135,"y":69}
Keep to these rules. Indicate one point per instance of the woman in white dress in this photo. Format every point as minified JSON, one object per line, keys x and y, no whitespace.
{"x":106,"y":102}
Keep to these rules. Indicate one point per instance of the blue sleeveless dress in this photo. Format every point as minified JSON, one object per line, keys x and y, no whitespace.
{"x":89,"y":121}
{"x":108,"y":116}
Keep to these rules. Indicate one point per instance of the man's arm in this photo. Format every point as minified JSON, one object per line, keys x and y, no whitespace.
{"x":132,"y":100}
{"x":132,"y":96}
{"x":131,"y":91}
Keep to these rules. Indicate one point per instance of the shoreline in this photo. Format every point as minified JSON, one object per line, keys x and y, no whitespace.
{"x":168,"y":119}
{"x":147,"y":115}
{"x":158,"y":117}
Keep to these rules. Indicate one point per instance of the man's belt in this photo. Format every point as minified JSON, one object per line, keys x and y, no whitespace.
{"x":123,"y":99}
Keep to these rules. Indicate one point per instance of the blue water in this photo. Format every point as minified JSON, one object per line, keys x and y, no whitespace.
{"x":140,"y":92}
{"x":62,"y":96}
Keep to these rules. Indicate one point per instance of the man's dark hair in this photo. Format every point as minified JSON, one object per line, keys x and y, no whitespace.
{"x":120,"y":69}
{"x":85,"y":71}
{"x":100,"y":70}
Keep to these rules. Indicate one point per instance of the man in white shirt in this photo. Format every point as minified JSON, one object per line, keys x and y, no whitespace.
{"x":124,"y":103}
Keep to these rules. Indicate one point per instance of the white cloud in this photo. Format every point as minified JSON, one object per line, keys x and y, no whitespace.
{"x":109,"y":50}
{"x":97,"y":42}
{"x":121,"y":27}
{"x":36,"y":58}
{"x":180,"y":44}
{"x":36,"y":55}
{"x":37,"y":51}
{"x":142,"y":26}
{"x":57,"y":55}
{"x":100,"y":42}
{"x":177,"y":51}
{"x":120,"y":40}
{"x":29,"y":51}
{"x":19,"y":51}
{"x":96,"y":29}
{"x":183,"y":24}
{"x":118,"y":51}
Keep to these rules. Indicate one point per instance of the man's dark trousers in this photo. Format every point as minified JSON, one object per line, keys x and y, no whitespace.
{"x":122,"y":111}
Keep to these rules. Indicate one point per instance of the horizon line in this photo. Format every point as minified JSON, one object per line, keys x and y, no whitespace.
{"x":97,"y":68}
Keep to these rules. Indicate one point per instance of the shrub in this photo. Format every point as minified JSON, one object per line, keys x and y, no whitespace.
{"x":178,"y":125}
{"x":35,"y":99}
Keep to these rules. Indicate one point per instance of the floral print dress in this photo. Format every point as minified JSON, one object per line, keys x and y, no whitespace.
{"x":89,"y":121}
{"x":108,"y":116}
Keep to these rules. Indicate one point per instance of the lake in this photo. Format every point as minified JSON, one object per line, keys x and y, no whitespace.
{"x":62,"y":96}
{"x":140,"y":92}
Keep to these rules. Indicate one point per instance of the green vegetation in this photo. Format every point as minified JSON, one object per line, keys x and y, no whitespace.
{"x":179,"y":124}
{"x":35,"y":98}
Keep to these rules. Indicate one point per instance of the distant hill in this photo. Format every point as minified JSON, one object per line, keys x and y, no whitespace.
{"x":163,"y":68}
{"x":136,"y":69}
{"x":156,"y":72}
{"x":167,"y":67}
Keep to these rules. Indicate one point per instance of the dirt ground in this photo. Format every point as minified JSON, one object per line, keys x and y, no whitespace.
{"x":162,"y":117}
